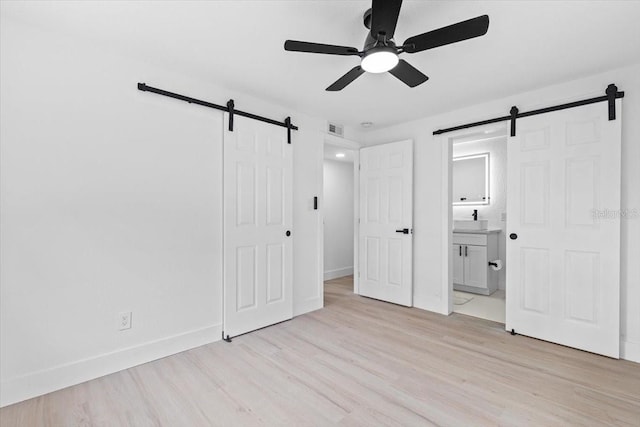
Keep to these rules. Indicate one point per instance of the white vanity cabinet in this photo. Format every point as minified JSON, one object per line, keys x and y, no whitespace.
{"x":472,"y":251}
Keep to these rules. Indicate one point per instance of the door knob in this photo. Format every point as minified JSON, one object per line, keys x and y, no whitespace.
{"x":513,"y":236}
{"x":404,"y":231}
{"x":288,"y":233}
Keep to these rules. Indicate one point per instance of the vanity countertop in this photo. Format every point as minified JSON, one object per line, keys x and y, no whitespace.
{"x":487,"y":231}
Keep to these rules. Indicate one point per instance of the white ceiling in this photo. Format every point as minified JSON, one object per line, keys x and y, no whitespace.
{"x":330,"y":152}
{"x":239,"y":44}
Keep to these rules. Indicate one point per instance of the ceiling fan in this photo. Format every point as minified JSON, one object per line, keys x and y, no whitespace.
{"x":380,"y":52}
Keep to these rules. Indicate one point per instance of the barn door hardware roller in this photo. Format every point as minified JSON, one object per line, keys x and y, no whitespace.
{"x":514,"y":115}
{"x":231,"y":108}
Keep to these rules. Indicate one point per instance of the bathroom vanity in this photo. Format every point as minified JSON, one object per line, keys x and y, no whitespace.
{"x":472,"y":252}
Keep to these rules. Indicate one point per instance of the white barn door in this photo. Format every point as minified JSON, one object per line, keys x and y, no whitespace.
{"x":563,"y":242}
{"x":386,"y":221}
{"x":257,"y":217}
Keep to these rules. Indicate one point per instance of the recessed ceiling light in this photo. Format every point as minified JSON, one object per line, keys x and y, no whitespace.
{"x":366,"y":124}
{"x":340,"y":155}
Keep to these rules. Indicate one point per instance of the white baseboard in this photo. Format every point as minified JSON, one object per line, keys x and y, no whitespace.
{"x":630,"y":351}
{"x":42,"y":382}
{"x":339,"y":272}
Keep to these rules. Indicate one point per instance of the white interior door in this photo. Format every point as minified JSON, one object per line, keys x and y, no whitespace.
{"x":257,"y":216}
{"x":563,"y":200}
{"x":386,"y":209}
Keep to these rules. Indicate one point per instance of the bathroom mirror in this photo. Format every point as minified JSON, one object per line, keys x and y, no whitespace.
{"x":471,"y":180}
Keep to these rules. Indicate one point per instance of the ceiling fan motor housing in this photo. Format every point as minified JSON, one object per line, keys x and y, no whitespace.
{"x":371,"y":41}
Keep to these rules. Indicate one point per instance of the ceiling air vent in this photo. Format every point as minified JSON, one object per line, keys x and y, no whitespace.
{"x":337,"y":130}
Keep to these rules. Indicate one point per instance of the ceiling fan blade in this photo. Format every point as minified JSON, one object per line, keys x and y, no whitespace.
{"x":384,"y":17}
{"x":343,"y":81}
{"x":446,"y":35}
{"x":406,"y":72}
{"x":298,"y":46}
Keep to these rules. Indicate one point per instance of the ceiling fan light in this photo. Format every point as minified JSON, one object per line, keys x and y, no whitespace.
{"x":380,"y":60}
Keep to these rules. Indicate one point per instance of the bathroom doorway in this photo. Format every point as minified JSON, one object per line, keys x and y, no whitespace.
{"x":340,"y":206}
{"x":478,"y":220}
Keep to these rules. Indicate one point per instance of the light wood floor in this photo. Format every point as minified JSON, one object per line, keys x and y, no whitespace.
{"x":356,"y":362}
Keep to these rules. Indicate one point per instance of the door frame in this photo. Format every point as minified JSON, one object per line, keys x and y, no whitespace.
{"x":447,"y":141}
{"x":355,"y":147}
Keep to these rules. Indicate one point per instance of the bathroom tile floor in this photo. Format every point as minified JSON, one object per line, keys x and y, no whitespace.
{"x":490,"y":307}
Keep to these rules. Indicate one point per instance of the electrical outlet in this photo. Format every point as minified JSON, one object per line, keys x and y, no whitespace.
{"x":124,"y":320}
{"x":503,"y":216}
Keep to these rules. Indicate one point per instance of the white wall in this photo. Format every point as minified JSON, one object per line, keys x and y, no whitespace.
{"x":429,"y":200}
{"x":111,"y":201}
{"x":497,"y":149}
{"x":338,"y":219}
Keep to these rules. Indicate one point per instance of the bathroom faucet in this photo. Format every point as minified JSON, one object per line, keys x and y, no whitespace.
{"x":475,"y":214}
